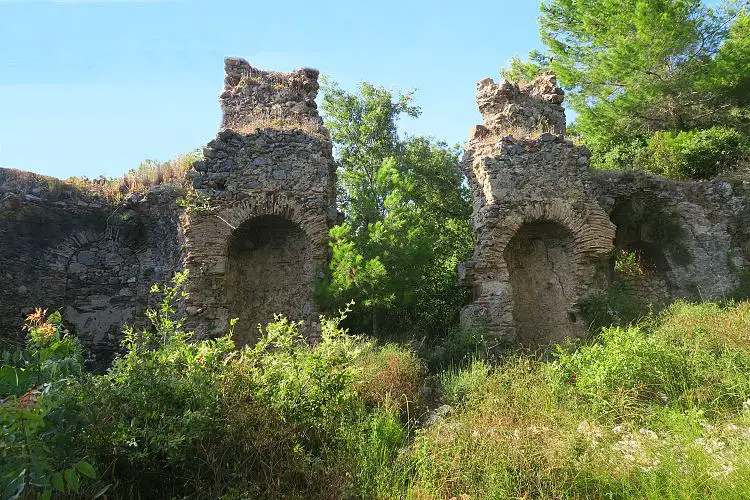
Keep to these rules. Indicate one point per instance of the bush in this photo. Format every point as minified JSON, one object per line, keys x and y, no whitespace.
{"x":174,"y":416}
{"x":617,"y":305}
{"x":695,"y":154}
{"x":37,"y":434}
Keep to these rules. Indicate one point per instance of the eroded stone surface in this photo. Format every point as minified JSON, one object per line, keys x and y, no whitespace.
{"x":270,"y":175}
{"x":546,"y":227}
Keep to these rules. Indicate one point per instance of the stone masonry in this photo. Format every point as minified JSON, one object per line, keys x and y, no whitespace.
{"x":255,"y":239}
{"x":269,"y":175}
{"x":254,"y":249}
{"x":546,"y":228}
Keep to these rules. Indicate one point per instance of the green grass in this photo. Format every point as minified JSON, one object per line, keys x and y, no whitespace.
{"x":660,"y":410}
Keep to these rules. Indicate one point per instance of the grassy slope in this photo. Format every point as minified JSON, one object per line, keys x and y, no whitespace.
{"x":660,"y":410}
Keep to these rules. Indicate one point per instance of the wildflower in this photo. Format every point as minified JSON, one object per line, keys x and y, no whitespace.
{"x":35,"y":319}
{"x":648,"y":433}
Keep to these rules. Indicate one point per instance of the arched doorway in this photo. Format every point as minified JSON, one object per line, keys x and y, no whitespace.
{"x":269,"y":271}
{"x":541,"y":267}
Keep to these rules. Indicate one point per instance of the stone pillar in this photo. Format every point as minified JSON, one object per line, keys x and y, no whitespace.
{"x":269,"y":178}
{"x":540,"y":236}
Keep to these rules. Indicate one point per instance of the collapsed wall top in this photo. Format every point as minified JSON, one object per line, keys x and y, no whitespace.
{"x":251,"y":94}
{"x":529,"y":107}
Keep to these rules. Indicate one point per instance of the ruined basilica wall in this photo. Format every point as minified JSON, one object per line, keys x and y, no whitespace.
{"x":269,"y":174}
{"x":62,"y":249}
{"x":697,"y":231}
{"x":547,"y":228}
{"x":254,"y":249}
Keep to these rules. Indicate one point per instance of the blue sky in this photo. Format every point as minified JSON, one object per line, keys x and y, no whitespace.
{"x":95,"y":87}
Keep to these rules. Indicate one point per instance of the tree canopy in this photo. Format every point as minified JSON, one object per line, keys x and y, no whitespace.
{"x":406,"y":215}
{"x":633,"y":68}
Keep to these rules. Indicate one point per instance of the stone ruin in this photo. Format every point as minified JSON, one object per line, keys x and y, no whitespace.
{"x":546,"y":227}
{"x":256,"y":239}
{"x":270,"y":175}
{"x":254,"y":244}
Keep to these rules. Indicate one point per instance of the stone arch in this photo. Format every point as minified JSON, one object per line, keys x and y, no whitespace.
{"x":269,"y":270}
{"x":639,"y":230}
{"x":309,"y":219}
{"x":103,"y":289}
{"x":542,"y":268}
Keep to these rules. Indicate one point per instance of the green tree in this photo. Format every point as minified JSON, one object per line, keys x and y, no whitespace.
{"x":407,"y":216}
{"x":635,"y":67}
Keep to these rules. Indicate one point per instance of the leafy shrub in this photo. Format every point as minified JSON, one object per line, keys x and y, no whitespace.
{"x":695,"y":154}
{"x":35,"y":442}
{"x":688,"y":359}
{"x":617,"y":305}
{"x":174,"y":416}
{"x":624,"y":156}
{"x":157,"y":401}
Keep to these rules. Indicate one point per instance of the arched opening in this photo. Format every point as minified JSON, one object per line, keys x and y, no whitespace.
{"x":102,"y":295}
{"x":645,"y":234}
{"x":268,"y":272}
{"x":542,"y":272}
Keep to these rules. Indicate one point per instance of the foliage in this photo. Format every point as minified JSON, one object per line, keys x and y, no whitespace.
{"x":695,"y":154}
{"x":194,"y":201}
{"x":628,"y":263}
{"x":617,"y":305}
{"x":635,"y":68}
{"x":391,"y":375}
{"x":655,"y":411}
{"x":158,"y":400}
{"x":178,"y":416}
{"x":407,"y":216}
{"x":34,"y":427}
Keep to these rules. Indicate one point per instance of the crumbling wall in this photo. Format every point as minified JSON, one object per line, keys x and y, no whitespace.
{"x":251,"y":95}
{"x":269,"y":175}
{"x":526,"y":107}
{"x":63,"y":249}
{"x":266,"y":255}
{"x":548,"y":230}
{"x":695,"y":235}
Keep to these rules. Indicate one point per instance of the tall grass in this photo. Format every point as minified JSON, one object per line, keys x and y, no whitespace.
{"x":110,"y":190}
{"x":660,"y":410}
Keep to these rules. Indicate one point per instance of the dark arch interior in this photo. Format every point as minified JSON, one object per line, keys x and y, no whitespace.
{"x":268,"y":272}
{"x":636,"y":225}
{"x":541,"y":266}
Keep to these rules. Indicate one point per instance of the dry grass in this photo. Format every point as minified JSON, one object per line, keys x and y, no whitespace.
{"x":709,"y":321}
{"x":137,"y":181}
{"x":276,"y":121}
{"x":109,"y":190}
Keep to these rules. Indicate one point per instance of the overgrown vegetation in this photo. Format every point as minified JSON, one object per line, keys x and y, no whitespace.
{"x":137,"y":181}
{"x":407,"y":219}
{"x":177,"y":416}
{"x":661,"y":409}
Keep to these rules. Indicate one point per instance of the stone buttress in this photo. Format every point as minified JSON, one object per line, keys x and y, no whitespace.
{"x":542,"y":240}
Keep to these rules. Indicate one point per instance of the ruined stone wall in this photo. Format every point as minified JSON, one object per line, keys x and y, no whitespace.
{"x":526,"y":107}
{"x":251,"y":95}
{"x":694,"y":236}
{"x":547,"y":229}
{"x":254,"y":249}
{"x":95,"y":262}
{"x":270,"y":178}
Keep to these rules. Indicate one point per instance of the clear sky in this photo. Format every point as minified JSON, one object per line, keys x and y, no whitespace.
{"x":94,"y":87}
